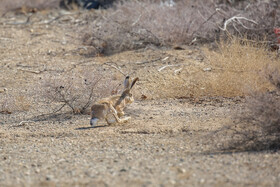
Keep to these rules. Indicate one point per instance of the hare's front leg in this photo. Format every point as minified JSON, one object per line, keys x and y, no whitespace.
{"x":120,"y":111}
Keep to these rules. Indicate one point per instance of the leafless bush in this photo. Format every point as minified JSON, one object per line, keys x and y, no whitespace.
{"x":75,"y":90}
{"x":7,"y":104}
{"x":13,"y":102}
{"x":264,"y":108}
{"x":257,"y":126}
{"x":137,"y":24}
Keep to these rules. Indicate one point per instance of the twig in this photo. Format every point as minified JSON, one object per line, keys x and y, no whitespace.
{"x":32,"y":71}
{"x":58,"y":17}
{"x":22,"y":123}
{"x":63,"y":98}
{"x":136,"y":21}
{"x":59,"y":108}
{"x":177,"y":70}
{"x":90,"y":95}
{"x":205,"y":20}
{"x":148,"y":61}
{"x":117,"y":68}
{"x":165,"y":58}
{"x":162,"y":68}
{"x":20,"y":23}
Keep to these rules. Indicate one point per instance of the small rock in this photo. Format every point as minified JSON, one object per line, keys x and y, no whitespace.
{"x":37,"y":170}
{"x":181,"y":170}
{"x":172,"y":182}
{"x":207,"y":69}
{"x":49,"y":177}
{"x":202,"y":180}
{"x":2,"y":90}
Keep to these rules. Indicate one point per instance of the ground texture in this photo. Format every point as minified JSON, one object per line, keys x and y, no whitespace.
{"x":168,"y":141}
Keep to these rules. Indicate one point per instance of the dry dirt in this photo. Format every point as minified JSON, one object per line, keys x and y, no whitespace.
{"x":168,"y":142}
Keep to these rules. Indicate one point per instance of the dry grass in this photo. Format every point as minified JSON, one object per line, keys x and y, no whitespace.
{"x":238,"y":68}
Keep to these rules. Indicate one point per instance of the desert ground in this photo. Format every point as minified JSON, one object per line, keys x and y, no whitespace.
{"x":169,"y":141}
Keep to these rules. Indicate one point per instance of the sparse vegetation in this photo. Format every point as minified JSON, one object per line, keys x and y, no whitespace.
{"x":263,"y":117}
{"x":10,"y":103}
{"x":229,"y":86}
{"x":138,"y":24}
{"x":257,"y":127}
{"x":75,"y":90}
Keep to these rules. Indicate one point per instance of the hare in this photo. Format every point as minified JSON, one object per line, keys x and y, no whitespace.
{"x":111,"y":108}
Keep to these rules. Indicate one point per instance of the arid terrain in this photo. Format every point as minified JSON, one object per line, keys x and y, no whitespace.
{"x":170,"y":140}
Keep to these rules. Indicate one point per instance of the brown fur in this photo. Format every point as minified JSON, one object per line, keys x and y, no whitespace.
{"x":111,"y":108}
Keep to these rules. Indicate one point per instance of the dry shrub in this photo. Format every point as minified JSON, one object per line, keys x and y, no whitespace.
{"x":237,"y":68}
{"x":14,"y":102}
{"x":75,"y":91}
{"x":7,"y":104}
{"x":138,"y":24}
{"x":257,"y":127}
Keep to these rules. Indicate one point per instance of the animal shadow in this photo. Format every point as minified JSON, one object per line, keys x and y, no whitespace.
{"x":86,"y":128}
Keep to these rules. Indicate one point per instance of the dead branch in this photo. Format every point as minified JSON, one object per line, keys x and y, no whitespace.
{"x":162,"y":68}
{"x":148,"y":61}
{"x":236,"y":19}
{"x":32,"y":71}
{"x":22,"y":123}
{"x":205,"y":21}
{"x":117,"y":68}
{"x":20,"y":23}
{"x":90,"y":95}
{"x":63,"y":97}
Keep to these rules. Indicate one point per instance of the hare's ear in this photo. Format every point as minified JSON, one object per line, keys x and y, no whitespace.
{"x":133,"y":82}
{"x":126,"y":82}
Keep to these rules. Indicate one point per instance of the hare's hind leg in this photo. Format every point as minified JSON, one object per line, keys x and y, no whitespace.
{"x":125,"y":119}
{"x":121,"y":120}
{"x":117,"y":118}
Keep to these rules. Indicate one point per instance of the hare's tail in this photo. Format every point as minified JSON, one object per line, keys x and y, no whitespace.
{"x":93,"y":121}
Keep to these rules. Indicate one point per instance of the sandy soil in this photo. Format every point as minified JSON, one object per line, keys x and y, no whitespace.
{"x":168,"y":142}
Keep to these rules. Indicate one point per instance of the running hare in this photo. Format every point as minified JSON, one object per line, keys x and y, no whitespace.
{"x":111,"y":108}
